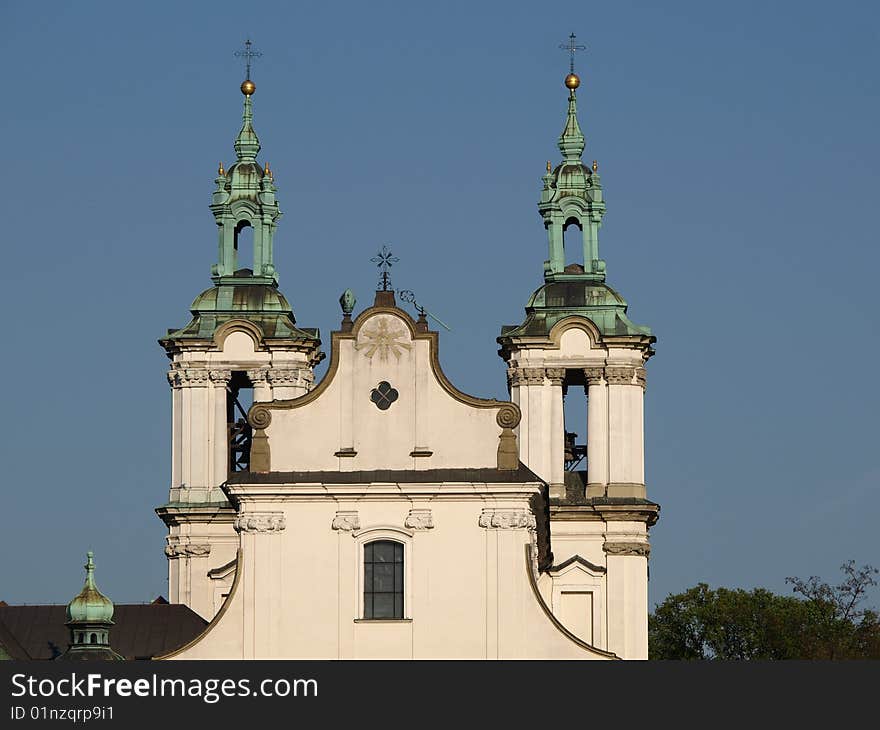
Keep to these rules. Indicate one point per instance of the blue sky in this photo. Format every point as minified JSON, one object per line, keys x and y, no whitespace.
{"x":738,"y":148}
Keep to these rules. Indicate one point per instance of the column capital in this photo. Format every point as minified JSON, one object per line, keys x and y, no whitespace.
{"x":259,"y":376}
{"x":260,"y":522}
{"x":555,"y":375}
{"x":189,"y":378}
{"x":641,"y":549}
{"x":620,"y":374}
{"x":220,"y":376}
{"x":594,"y":375}
{"x":507,"y":519}
{"x":346,"y":521}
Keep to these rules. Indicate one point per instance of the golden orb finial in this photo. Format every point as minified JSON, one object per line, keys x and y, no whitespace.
{"x":220,"y":170}
{"x":595,"y":166}
{"x":248,"y":87}
{"x":572,"y":81}
{"x":268,"y":172}
{"x":549,"y":166}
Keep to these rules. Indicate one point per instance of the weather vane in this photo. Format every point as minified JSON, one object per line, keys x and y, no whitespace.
{"x":406,"y":295}
{"x":385,"y":260}
{"x":248,"y":55}
{"x":572,"y":47}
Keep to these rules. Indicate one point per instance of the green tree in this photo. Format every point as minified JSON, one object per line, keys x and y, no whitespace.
{"x":819,"y":622}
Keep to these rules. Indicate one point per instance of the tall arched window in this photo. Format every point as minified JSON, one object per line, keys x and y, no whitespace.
{"x":383,"y":579}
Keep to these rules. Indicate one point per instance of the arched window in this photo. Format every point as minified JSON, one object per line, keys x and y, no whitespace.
{"x":383,"y":579}
{"x":93,"y":639}
{"x":244,"y":245}
{"x":573,"y":238}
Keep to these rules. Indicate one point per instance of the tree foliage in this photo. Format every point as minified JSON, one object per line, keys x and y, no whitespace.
{"x":819,"y":622}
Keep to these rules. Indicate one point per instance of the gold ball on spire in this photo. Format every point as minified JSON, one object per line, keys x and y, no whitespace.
{"x":572,"y":81}
{"x":248,"y":87}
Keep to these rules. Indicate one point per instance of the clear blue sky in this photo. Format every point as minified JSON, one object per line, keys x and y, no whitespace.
{"x":738,"y":145}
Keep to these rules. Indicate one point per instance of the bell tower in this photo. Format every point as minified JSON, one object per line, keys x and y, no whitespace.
{"x":241,"y":346}
{"x":576,"y":369}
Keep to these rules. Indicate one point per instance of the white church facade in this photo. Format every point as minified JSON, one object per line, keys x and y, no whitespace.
{"x":381,"y":512}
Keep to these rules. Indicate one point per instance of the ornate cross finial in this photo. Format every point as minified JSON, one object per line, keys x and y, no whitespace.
{"x":572,"y":47}
{"x":384,"y":260}
{"x":248,"y":55}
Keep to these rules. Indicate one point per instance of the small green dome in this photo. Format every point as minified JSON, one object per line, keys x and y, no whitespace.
{"x":90,"y":606}
{"x":243,"y":297}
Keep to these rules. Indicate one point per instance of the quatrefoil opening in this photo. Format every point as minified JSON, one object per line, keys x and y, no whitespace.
{"x":383,"y":395}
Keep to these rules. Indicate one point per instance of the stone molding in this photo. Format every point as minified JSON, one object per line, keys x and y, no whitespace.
{"x":175,"y":549}
{"x":642,"y":549}
{"x":507,"y":519}
{"x":620,"y":375}
{"x":220,"y":377}
{"x":419,"y":519}
{"x":555,"y":375}
{"x":346,"y":521}
{"x":260,"y":522}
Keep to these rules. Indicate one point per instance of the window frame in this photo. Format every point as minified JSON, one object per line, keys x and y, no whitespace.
{"x":377,"y":534}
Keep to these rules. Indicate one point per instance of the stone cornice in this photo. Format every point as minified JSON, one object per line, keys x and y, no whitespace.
{"x":201,"y":513}
{"x":619,"y":511}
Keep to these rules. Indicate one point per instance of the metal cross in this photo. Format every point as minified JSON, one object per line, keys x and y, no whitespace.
{"x":384,"y":260}
{"x":572,"y":47}
{"x":248,"y":55}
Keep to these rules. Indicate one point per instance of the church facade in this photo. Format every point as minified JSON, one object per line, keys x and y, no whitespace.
{"x":382,"y":512}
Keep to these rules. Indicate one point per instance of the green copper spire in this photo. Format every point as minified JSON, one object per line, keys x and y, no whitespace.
{"x":247,"y":144}
{"x":90,"y":605}
{"x":244,"y":197}
{"x":572,"y":197}
{"x":571,"y":141}
{"x":89,"y":618}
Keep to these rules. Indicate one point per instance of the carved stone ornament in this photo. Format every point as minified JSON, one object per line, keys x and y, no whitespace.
{"x":419,"y":519}
{"x":189,"y":378}
{"x":289,"y":377}
{"x":258,"y":377}
{"x":220,"y":377}
{"x":642,"y":377}
{"x":555,"y":375}
{"x":620,"y":375}
{"x":508,"y":416}
{"x":260,"y":522}
{"x":346,"y":521}
{"x":507,"y":519}
{"x":386,"y":336}
{"x":594,"y":375}
{"x":533,"y":376}
{"x":188,"y":550}
{"x":627,"y":548}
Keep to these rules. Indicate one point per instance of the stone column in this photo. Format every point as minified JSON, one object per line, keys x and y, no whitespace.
{"x":219,"y":438}
{"x":260,"y":380}
{"x":556,"y":434}
{"x":626,"y":468}
{"x":597,"y":431}
{"x":262,"y":584}
{"x":627,"y":585}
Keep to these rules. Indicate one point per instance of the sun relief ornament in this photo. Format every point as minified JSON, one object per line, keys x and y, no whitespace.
{"x":383,"y":337}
